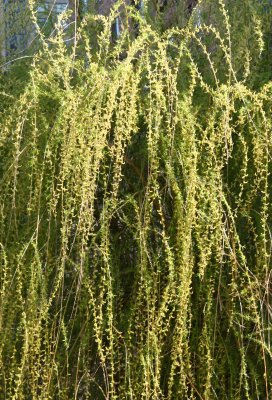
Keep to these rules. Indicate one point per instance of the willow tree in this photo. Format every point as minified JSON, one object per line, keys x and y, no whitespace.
{"x":135,"y":203}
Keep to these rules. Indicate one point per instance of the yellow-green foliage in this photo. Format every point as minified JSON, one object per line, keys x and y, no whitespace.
{"x":135,"y":214}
